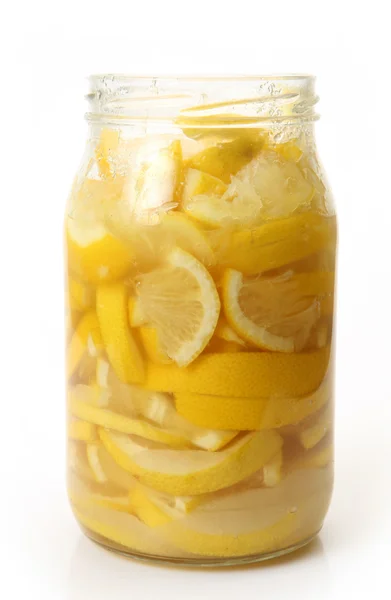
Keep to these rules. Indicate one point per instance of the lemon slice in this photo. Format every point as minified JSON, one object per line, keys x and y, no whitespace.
{"x":192,"y":472}
{"x":159,"y":409}
{"x":181,"y":301}
{"x":155,"y":185}
{"x":198,"y":183}
{"x":123,"y":529}
{"x":257,"y":540}
{"x":225,"y":332}
{"x":135,"y":312}
{"x":93,"y":461}
{"x":81,"y":496}
{"x":151,"y":345}
{"x":113,"y":473}
{"x":244,"y":374}
{"x":105,"y":151}
{"x":82,"y":431}
{"x":94,"y":254}
{"x":272,"y":471}
{"x":177,"y":229}
{"x":86,"y":340}
{"x":81,"y":296}
{"x":121,"y":347}
{"x":311,"y":435}
{"x":225,"y":159}
{"x":270,"y":312}
{"x":77,"y":461}
{"x":279,"y":186}
{"x":228,"y":412}
{"x":149,"y":511}
{"x":111,"y":420}
{"x":277,"y":243}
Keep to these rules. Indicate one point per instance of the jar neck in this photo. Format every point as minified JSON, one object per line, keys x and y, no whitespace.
{"x":221,"y":101}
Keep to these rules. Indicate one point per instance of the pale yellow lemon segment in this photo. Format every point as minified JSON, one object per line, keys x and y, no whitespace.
{"x":81,"y":296}
{"x":151,"y":345}
{"x":92,"y":451}
{"x":228,"y":412}
{"x":259,"y":540}
{"x":244,"y":374}
{"x":192,"y":472}
{"x":85,"y":339}
{"x":121,"y":347}
{"x":135,"y":312}
{"x":105,"y":150}
{"x":176,"y":229}
{"x":96,"y":255}
{"x":123,"y":529}
{"x":277,"y":243}
{"x":181,"y":302}
{"x":82,"y":431}
{"x":225,"y":332}
{"x":269,"y":312}
{"x":311,"y":435}
{"x":111,"y":420}
{"x":226,"y":158}
{"x":147,"y":510}
{"x":272,"y":471}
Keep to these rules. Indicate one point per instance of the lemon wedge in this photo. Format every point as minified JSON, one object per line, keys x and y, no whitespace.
{"x":225,"y":159}
{"x":82,"y":431}
{"x":272,"y":471}
{"x":121,"y":347}
{"x":228,"y":412}
{"x":80,"y":295}
{"x":86,"y":340}
{"x":192,"y":472}
{"x":244,"y":374}
{"x":277,"y":243}
{"x":311,"y":435}
{"x":269,"y":312}
{"x":181,"y":302}
{"x":151,"y":345}
{"x":111,"y":420}
{"x":93,"y":253}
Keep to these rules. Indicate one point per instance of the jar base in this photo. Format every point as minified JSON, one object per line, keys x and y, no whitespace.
{"x":202,"y":562}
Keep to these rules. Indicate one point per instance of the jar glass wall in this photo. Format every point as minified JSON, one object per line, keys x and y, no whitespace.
{"x":200,"y":243}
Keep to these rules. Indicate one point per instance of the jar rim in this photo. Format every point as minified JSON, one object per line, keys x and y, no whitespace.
{"x":248,"y":98}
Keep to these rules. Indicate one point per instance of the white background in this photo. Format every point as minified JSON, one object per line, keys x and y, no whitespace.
{"x":47,"y":49}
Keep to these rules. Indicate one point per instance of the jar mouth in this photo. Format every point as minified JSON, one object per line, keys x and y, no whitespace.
{"x":247,"y":99}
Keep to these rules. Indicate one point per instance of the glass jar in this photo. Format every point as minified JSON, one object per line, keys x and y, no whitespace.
{"x":200,"y":243}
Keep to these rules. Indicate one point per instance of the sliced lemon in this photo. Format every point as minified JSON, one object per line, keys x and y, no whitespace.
{"x":148,"y":511}
{"x":155,"y":185}
{"x":269,"y":312}
{"x":82,"y":431}
{"x":178,"y":230}
{"x":94,"y":462}
{"x":228,"y":412}
{"x":277,"y":243}
{"x":82,"y":496}
{"x":159,"y":409}
{"x":151,"y":345}
{"x":181,"y":301}
{"x":244,"y":374}
{"x":311,"y":435}
{"x":85,"y":340}
{"x":225,"y":159}
{"x":185,"y":535}
{"x":81,"y":296}
{"x":121,"y":347}
{"x":111,"y":420}
{"x":94,"y":254}
{"x":225,"y":332}
{"x":197,"y":183}
{"x":114,"y":474}
{"x":279,"y":186}
{"x":91,"y":395}
{"x":272,"y":471}
{"x":135,"y":313}
{"x":105,"y":150}
{"x":77,"y":461}
{"x":123,"y":529}
{"x":289,"y":150}
{"x":192,"y":472}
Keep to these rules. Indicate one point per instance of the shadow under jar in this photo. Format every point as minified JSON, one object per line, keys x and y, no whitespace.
{"x":200,"y":244}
